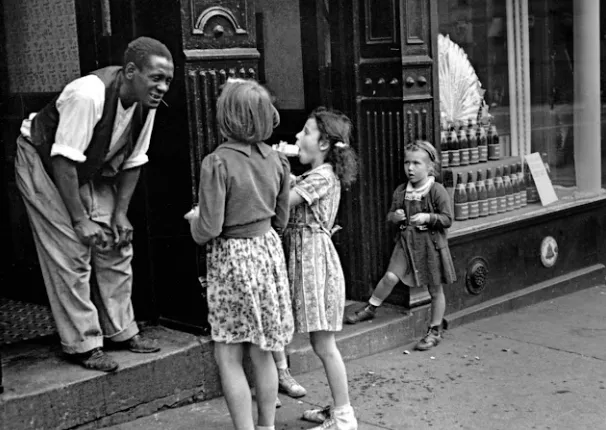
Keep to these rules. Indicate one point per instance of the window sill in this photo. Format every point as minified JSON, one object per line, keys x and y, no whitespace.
{"x":568,"y":197}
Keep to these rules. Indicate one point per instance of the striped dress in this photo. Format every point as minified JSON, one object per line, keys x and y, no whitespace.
{"x":314,"y":269}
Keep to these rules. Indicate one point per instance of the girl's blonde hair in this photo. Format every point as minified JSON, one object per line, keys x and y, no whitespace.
{"x":423,"y":145}
{"x":245,"y":112}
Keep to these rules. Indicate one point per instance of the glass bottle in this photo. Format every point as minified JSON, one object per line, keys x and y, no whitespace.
{"x":491,"y":193}
{"x":444,"y":148}
{"x":482,"y":144}
{"x":472,"y":197}
{"x":532,"y":194}
{"x":513,"y":175}
{"x":521,"y":185}
{"x":500,"y":188}
{"x":463,"y":147}
{"x":474,"y":154}
{"x":461,"y":207}
{"x":454,"y":155}
{"x":482,"y":193}
{"x":510,"y":199}
{"x":494,"y":147}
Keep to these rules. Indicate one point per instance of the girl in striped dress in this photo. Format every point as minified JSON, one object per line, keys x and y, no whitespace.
{"x":314,"y":270}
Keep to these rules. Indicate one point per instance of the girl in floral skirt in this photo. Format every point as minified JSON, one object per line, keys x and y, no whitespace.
{"x":314,"y":269}
{"x":243,"y":207}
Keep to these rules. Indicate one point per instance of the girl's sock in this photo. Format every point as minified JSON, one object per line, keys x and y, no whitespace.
{"x":343,"y":408}
{"x":282,"y":364}
{"x":375,"y":301}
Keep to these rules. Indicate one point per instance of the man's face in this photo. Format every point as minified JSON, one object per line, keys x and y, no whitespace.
{"x":151,"y":82}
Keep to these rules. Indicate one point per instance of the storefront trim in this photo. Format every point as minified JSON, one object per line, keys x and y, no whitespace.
{"x":222,"y":54}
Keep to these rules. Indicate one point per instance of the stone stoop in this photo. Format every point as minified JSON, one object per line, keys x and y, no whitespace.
{"x":391,"y":328}
{"x":394,"y":326}
{"x":44,"y":391}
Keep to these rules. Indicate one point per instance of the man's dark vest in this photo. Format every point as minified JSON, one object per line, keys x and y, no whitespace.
{"x":45,"y":123}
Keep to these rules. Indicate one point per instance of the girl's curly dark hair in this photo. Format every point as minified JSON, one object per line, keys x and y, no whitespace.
{"x":335,"y":128}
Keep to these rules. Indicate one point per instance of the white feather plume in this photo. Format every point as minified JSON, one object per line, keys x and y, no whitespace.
{"x":461,"y":93}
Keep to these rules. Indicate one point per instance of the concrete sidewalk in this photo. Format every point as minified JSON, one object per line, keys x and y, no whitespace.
{"x":540,"y":367}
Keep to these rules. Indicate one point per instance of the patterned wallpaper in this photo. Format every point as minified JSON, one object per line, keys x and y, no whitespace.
{"x":41,"y":44}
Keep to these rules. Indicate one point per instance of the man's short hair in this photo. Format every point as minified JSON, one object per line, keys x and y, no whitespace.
{"x":245,"y":112}
{"x":140,"y":49}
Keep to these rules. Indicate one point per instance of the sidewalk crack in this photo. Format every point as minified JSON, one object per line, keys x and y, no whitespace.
{"x":538,"y":344}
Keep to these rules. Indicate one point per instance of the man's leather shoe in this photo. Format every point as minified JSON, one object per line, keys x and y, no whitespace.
{"x":139,"y":344}
{"x":95,"y":359}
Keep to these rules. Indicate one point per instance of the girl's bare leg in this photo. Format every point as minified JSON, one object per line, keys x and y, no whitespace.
{"x":438,"y":304}
{"x":385,"y":286}
{"x":266,"y":382}
{"x":235,"y":385}
{"x":325,"y":347}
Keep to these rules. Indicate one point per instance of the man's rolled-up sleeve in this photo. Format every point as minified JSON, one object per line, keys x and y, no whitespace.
{"x":80,"y":108}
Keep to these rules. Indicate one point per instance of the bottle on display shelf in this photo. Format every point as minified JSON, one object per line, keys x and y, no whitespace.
{"x":444,"y":148}
{"x":482,"y":193}
{"x":463,"y":147}
{"x":482,"y":144}
{"x":521,"y":185}
{"x":510,"y":198}
{"x":491,"y":193}
{"x":454,"y":156}
{"x":494,"y":147}
{"x":500,"y":188}
{"x":472,"y":197}
{"x":474,"y":152}
{"x":532,"y":194}
{"x":513,"y":175}
{"x":461,"y":207}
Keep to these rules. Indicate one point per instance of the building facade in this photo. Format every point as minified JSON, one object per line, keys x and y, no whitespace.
{"x":525,"y":70}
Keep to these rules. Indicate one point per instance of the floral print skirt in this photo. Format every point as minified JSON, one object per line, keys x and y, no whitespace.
{"x":248,"y":292}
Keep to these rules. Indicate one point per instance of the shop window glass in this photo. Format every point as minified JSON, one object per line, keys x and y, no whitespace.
{"x":603,"y":89}
{"x":551,"y":63}
{"x":479,"y":31}
{"x":522,"y":52}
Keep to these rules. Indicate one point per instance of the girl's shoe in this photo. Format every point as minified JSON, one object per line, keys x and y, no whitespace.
{"x":431,"y":339}
{"x":317,"y":415}
{"x":342,"y":418}
{"x":278,"y":403}
{"x":364,"y":314}
{"x":288,"y":385}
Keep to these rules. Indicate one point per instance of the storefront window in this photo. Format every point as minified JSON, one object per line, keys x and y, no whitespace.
{"x":507,"y":69}
{"x":474,"y":64}
{"x":551,"y":62}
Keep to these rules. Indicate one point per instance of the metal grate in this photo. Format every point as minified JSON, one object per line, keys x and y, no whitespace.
{"x":21,"y":321}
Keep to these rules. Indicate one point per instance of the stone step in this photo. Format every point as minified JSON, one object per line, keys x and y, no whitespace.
{"x":44,"y":391}
{"x":392,"y":327}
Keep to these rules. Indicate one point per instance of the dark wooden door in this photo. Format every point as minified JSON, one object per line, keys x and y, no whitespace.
{"x":395,"y":88}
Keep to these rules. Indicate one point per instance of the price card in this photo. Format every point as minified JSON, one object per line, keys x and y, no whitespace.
{"x":541,"y":178}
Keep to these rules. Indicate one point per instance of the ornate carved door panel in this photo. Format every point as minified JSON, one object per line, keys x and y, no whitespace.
{"x":394,"y":44}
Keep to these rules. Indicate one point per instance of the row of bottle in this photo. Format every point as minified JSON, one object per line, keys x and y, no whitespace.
{"x":507,"y":190}
{"x":469,"y":145}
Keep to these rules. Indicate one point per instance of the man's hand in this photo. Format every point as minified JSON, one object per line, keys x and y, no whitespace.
{"x":122,"y":229}
{"x":90,"y":233}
